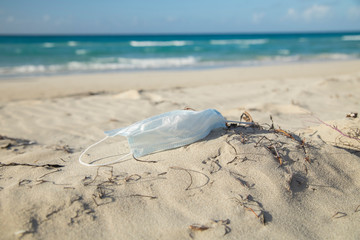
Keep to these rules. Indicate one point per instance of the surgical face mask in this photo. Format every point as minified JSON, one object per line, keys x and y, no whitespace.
{"x":166,"y":131}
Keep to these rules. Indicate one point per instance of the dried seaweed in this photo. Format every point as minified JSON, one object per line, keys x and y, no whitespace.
{"x":189,"y":187}
{"x":249,"y":201}
{"x":10,"y":142}
{"x":47,"y":166}
{"x":65,"y":148}
{"x":355,"y":134}
{"x":274,"y":151}
{"x":57,"y":170}
{"x":352,"y":115}
{"x":224,"y":223}
{"x":201,"y":227}
{"x":103,"y":195}
{"x":198,"y":227}
{"x":239,"y":177}
{"x":246,"y":116}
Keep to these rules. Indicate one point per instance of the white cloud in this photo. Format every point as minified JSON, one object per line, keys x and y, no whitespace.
{"x":354,"y":13}
{"x":316,"y":12}
{"x":291,"y":13}
{"x":257,"y":17}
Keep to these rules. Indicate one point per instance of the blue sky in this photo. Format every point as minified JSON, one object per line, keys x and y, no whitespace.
{"x":176,"y":16}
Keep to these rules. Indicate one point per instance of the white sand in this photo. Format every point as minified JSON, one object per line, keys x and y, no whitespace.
{"x":229,"y":185}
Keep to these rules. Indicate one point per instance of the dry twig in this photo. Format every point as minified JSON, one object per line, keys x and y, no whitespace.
{"x":357,"y":209}
{"x":339,"y":215}
{"x":141,"y":195}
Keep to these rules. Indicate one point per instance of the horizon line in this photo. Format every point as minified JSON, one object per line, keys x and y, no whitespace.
{"x":175,"y":34}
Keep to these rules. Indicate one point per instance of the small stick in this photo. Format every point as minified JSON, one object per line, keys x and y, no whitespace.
{"x":97,"y":174}
{"x":357,"y":209}
{"x":197,"y":227}
{"x":260,"y":140}
{"x":284,"y":133}
{"x":341,"y":214}
{"x":57,"y":170}
{"x":140,"y":195}
{"x":129,"y":178}
{"x":249,"y":208}
{"x":306,"y":169}
{"x":40,"y":181}
{"x":31,"y":165}
{"x":235,"y":158}
{"x":278,"y":156}
{"x":237,"y":177}
{"x":336,"y":129}
{"x":23,"y":182}
{"x":276,"y":153}
{"x":93,"y":198}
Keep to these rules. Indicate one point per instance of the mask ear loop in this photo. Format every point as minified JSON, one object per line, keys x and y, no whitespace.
{"x":100,"y":164}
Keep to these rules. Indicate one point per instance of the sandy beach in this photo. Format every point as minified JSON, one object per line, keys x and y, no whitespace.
{"x":293,"y":175}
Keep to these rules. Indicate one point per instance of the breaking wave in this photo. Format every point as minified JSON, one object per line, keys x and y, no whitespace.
{"x":239,"y":42}
{"x":351,"y":38}
{"x":101,"y":65}
{"x":159,"y":43}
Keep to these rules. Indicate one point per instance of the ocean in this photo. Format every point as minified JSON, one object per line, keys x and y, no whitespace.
{"x":57,"y":55}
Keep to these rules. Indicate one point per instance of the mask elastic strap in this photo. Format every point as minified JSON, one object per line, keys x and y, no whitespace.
{"x":100,"y":164}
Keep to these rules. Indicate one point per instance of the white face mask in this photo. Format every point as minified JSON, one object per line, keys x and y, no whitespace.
{"x":166,"y":131}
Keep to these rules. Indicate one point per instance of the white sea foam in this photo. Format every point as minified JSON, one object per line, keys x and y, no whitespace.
{"x":284,"y":52}
{"x":277,"y":59}
{"x":48,"y":45}
{"x":25,"y":69}
{"x":286,"y":59}
{"x":102,"y":65}
{"x":239,"y":42}
{"x":80,"y":52}
{"x":159,"y":43}
{"x":156,"y":62}
{"x":72,"y":43}
{"x":132,"y":63}
{"x":113,"y":63}
{"x":351,"y":38}
{"x":334,"y":56}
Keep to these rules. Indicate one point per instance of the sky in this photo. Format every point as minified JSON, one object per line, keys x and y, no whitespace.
{"x":177,"y":16}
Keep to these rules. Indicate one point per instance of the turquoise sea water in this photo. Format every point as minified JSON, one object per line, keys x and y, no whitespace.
{"x":44,"y":55}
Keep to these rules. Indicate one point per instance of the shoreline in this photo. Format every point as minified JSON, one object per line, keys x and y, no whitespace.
{"x":66,"y":85}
